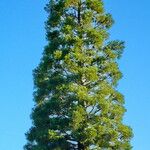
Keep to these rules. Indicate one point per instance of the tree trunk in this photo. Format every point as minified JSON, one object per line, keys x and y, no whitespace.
{"x":80,"y":146}
{"x":79,"y":12}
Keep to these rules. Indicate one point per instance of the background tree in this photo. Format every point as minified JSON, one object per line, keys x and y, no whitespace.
{"x":77,"y":104}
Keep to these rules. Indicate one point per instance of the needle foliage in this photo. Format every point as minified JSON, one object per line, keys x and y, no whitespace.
{"x":77,"y":104}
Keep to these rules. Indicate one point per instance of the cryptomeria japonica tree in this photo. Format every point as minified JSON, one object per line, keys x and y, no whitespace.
{"x":77,"y":104}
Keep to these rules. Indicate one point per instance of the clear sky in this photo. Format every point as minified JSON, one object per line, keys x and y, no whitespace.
{"x":22,"y":38}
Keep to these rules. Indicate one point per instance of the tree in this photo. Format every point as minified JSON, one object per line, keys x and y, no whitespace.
{"x":77,"y":104}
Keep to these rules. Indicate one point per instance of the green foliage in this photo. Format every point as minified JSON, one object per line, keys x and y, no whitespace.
{"x":77,"y":105}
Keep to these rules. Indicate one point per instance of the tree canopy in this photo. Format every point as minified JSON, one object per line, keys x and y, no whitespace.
{"x":77,"y":104}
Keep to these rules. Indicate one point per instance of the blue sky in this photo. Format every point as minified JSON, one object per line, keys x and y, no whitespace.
{"x":22,"y":38}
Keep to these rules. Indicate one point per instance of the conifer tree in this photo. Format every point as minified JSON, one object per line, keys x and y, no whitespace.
{"x":77,"y":104}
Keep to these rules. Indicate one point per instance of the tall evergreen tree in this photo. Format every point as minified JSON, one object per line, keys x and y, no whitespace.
{"x":77,"y":104}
